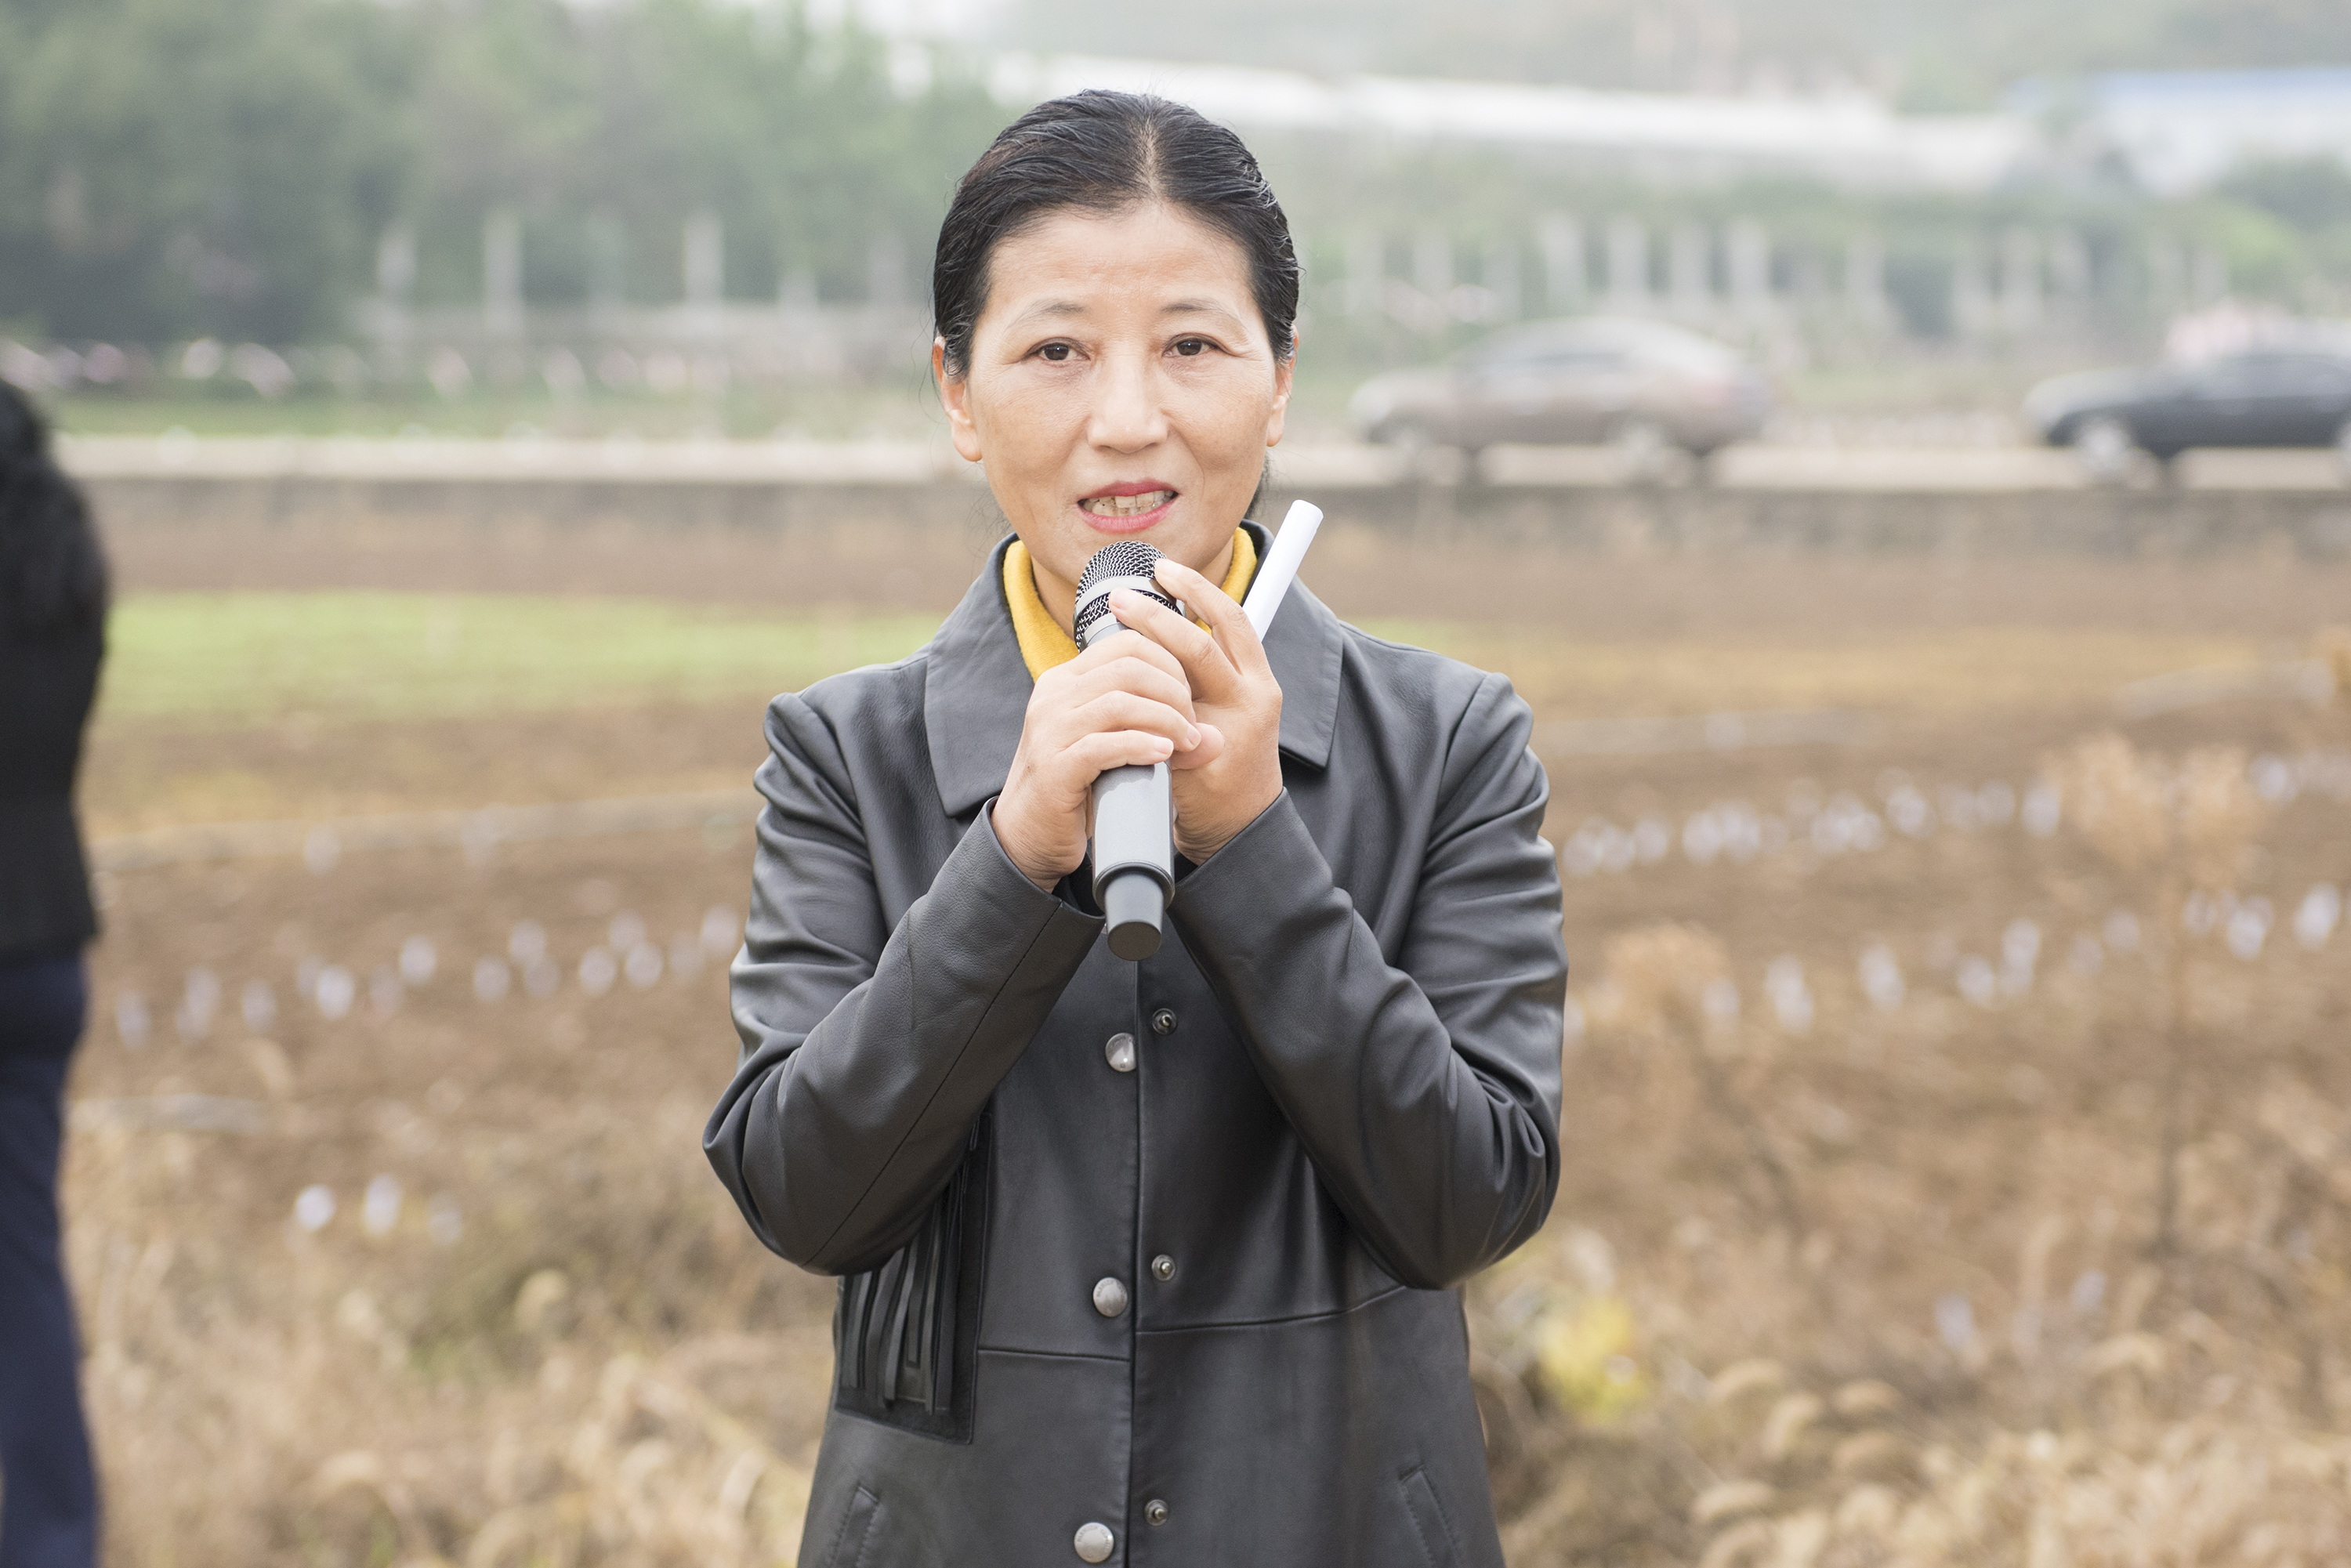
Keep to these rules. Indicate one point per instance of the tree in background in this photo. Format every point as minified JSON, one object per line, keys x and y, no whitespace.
{"x":168,"y":165}
{"x":176,"y":168}
{"x":170,"y":168}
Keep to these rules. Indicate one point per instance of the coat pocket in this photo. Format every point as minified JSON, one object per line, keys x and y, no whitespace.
{"x":905,"y":1335}
{"x":856,"y":1531}
{"x":1431,"y":1525}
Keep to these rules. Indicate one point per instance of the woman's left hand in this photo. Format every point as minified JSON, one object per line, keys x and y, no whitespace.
{"x":1235,"y":773}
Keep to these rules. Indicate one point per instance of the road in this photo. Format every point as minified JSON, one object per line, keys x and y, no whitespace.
{"x":1754,"y":467}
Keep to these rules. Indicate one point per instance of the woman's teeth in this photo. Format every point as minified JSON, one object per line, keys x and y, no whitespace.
{"x":1127,"y":506}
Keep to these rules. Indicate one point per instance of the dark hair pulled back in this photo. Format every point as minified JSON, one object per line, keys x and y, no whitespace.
{"x":52,"y":571}
{"x":1105,"y":152}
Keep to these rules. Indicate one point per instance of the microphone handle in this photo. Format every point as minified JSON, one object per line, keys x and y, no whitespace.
{"x":1134,"y":855}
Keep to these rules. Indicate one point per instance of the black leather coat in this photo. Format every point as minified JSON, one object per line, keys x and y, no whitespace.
{"x":46,"y":686}
{"x":1150,"y":1263}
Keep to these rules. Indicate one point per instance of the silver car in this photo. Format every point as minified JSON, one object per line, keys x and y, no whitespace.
{"x":1646,"y":385}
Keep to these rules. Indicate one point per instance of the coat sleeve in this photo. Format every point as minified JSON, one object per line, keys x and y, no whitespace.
{"x":869,"y":1051}
{"x":1426,"y":1092}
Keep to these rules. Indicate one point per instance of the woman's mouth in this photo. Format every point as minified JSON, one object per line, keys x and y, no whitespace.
{"x":1127,"y":506}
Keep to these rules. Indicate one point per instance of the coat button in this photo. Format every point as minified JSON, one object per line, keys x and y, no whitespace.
{"x":1119,"y":1051}
{"x":1154,"y":1512}
{"x":1109,"y":1300}
{"x":1163,"y":1022}
{"x":1094,"y":1543}
{"x":1163,"y":1267}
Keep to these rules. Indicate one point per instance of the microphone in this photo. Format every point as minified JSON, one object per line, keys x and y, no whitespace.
{"x":1135,"y":814}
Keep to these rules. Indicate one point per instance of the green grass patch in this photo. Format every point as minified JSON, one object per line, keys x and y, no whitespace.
{"x":213,"y":658}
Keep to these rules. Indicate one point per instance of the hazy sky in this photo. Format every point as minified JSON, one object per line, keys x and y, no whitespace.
{"x":1929,"y":54}
{"x":968,"y":19}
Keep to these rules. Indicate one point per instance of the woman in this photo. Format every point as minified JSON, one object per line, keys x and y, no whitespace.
{"x":1143,"y":1262}
{"x":52,"y":633}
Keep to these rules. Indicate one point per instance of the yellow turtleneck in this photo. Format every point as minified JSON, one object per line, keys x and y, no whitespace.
{"x":1045,"y":643}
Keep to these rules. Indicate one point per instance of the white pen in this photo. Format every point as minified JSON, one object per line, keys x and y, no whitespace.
{"x":1280,"y":569}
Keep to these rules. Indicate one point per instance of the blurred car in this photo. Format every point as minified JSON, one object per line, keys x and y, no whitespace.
{"x":2263,"y":395}
{"x":1642,"y":385}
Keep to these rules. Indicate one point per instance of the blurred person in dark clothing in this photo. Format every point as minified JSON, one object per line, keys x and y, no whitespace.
{"x":52,"y":635}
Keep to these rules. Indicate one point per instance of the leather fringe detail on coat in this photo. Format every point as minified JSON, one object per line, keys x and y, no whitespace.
{"x":903,"y":1334}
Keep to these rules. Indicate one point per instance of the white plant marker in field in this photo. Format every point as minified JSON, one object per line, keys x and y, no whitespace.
{"x":2020,"y":952}
{"x":598,"y":970}
{"x":335,"y":992}
{"x":2248,"y":927}
{"x":1908,"y":811}
{"x":2044,"y":808}
{"x":379,"y":1207}
{"x":1792,"y":999}
{"x":313,"y":1206}
{"x":2272,"y":778}
{"x":2315,"y":919}
{"x":131,"y":1019}
{"x":721,"y":930}
{"x":1881,"y":978}
{"x":258,"y":1005}
{"x":198,"y":1001}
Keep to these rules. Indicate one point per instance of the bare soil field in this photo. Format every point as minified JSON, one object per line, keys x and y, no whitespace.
{"x":1957,"y":1123}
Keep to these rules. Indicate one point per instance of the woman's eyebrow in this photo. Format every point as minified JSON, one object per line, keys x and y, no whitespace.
{"x":1197,"y":308}
{"x":1050,"y":307}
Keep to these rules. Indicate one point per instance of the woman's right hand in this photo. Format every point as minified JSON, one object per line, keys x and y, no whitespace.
{"x":1123,"y":702}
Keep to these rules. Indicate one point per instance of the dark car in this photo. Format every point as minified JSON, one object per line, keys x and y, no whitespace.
{"x":1644,"y":384}
{"x":2263,"y":396}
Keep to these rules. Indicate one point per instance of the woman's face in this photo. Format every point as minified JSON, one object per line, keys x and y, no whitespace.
{"x":1121,"y":385}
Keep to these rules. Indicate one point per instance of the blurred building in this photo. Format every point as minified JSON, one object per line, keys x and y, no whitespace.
{"x":702,"y":342}
{"x":1848,"y":138}
{"x":1732,"y":277}
{"x":1855,"y":279}
{"x":2177,"y":132}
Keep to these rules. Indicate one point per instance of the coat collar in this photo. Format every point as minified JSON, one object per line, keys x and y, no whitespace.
{"x":975,"y":687}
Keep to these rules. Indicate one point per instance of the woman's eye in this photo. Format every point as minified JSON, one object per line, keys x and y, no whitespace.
{"x":1057,"y":352}
{"x":1189,"y":347}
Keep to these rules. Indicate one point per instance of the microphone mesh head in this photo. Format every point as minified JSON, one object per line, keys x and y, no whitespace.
{"x":1128,"y":557}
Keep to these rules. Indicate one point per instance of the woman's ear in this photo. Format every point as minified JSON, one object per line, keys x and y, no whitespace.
{"x":955,"y":396}
{"x":1283,"y":370}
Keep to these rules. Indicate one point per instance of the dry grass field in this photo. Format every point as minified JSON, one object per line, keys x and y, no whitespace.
{"x":1958,"y":1122}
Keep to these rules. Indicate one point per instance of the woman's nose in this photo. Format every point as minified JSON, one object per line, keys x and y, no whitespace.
{"x":1128,"y":414}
